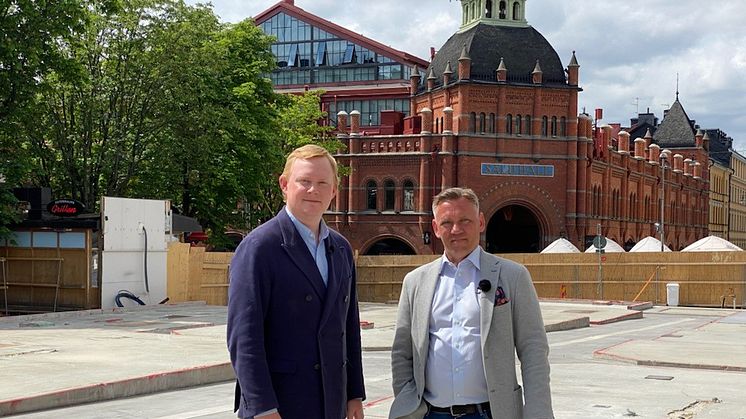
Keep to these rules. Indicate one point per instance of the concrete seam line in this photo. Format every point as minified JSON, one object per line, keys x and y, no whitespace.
{"x":151,"y":383}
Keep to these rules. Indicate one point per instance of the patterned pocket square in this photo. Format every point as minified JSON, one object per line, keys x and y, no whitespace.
{"x":500,"y":297}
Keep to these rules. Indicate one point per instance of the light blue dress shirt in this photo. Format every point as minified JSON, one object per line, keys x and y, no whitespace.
{"x":316,"y":247}
{"x":454,"y":373}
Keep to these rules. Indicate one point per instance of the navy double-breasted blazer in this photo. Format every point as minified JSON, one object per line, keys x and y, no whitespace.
{"x":294,"y":342}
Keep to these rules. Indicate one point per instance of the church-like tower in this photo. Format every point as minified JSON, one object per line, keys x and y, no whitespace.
{"x":493,"y":12}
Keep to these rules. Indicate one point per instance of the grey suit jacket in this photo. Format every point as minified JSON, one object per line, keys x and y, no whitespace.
{"x":507,"y":329}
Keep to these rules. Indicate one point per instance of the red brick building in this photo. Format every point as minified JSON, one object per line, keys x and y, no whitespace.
{"x":498,"y":112}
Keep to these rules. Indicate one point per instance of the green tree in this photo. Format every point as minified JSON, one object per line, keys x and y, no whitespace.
{"x":33,"y":38}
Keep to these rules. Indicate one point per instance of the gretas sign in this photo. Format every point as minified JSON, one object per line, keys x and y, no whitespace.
{"x":502,"y":169}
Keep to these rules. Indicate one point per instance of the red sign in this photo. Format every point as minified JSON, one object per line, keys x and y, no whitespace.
{"x":65,"y":207}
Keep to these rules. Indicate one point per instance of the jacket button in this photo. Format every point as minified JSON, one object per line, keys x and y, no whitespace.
{"x":347,"y":298}
{"x":308,"y":297}
{"x":317,"y":367}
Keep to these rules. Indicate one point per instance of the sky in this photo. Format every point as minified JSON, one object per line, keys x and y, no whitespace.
{"x":629,"y":51}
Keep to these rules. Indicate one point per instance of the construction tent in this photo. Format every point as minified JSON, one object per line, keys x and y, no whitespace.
{"x":611,"y":247}
{"x":561,"y":246}
{"x":649,"y":244}
{"x":711,"y":244}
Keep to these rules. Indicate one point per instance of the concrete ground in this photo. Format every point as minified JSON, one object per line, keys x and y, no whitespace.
{"x":61,"y":359}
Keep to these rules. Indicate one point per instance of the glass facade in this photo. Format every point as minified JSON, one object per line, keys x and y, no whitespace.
{"x":370,"y":110}
{"x":308,"y":55}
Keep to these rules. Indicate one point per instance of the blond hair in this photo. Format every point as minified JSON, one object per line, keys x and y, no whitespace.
{"x":307,"y":152}
{"x":452,"y":194}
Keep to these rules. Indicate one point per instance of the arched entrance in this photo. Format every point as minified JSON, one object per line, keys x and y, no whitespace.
{"x":513,"y":229}
{"x":390,"y":246}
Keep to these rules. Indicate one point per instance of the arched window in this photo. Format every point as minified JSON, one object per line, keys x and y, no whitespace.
{"x":503,"y":9}
{"x":488,"y":9}
{"x":465,"y":16}
{"x":509,"y":124}
{"x":482,"y":122}
{"x":389,"y":195}
{"x":518,"y":125}
{"x":563,"y":127}
{"x":554,"y":126}
{"x":371,"y":193}
{"x":442,"y":127}
{"x":491,"y":123}
{"x":516,"y":11}
{"x":437,"y":125}
{"x":544,"y":122}
{"x":527,"y":124}
{"x":473,"y":122}
{"x":408,"y":197}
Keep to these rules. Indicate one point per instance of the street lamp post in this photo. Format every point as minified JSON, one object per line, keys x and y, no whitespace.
{"x":663,"y":159}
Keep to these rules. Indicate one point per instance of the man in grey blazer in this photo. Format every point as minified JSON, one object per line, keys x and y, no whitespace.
{"x":461,"y":320}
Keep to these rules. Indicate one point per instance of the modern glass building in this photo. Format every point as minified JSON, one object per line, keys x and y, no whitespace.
{"x":356,"y":72}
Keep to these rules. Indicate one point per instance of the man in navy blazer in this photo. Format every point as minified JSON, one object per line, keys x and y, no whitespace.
{"x":293,"y":321}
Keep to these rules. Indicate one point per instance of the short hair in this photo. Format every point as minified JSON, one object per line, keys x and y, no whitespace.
{"x":452,"y":194}
{"x":307,"y":152}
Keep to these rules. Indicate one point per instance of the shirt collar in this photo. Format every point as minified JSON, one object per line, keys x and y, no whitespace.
{"x":473,"y":257}
{"x":305,"y":231}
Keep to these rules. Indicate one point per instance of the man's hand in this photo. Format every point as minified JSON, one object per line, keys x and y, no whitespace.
{"x":355,"y":409}
{"x":273,"y":415}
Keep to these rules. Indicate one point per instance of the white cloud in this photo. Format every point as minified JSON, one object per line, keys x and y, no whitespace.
{"x":627,"y":49}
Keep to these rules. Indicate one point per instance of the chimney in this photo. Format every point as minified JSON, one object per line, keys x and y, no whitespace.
{"x":355,"y":123}
{"x":623,"y":142}
{"x":431,"y":80}
{"x":464,"y":65}
{"x":697,"y":170}
{"x":342,"y":122}
{"x":687,"y":167}
{"x":447,"y":74}
{"x":414,"y":80}
{"x":448,"y":120}
{"x":537,"y":75}
{"x":573,"y":71}
{"x":678,"y":163}
{"x":427,"y":121}
{"x":655,"y":152}
{"x":432,"y":53}
{"x":639,"y":148}
{"x":698,"y":138}
{"x":502,"y":71}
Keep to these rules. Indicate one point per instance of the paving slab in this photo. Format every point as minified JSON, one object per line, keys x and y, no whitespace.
{"x":718,"y":345}
{"x":60,"y":359}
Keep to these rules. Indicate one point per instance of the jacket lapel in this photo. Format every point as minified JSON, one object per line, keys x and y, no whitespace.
{"x":298,"y":252}
{"x":334,"y":282}
{"x":423,"y":300}
{"x":489,"y":269}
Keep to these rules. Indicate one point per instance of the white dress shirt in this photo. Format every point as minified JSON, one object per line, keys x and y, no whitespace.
{"x":454,"y":373}
{"x":317,"y":248}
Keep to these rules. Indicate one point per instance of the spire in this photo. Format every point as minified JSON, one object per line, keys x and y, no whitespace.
{"x":431,"y":76}
{"x":677,"y":86}
{"x":573,"y":61}
{"x":464,"y":54}
{"x":448,"y":68}
{"x":502,"y":67}
{"x":537,"y":68}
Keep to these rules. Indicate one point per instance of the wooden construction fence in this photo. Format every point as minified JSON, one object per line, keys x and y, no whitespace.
{"x":708,"y":279}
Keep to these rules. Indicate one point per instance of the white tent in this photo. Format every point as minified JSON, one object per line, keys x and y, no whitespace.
{"x":561,"y":246}
{"x":711,"y":244}
{"x":611,"y":247}
{"x":649,"y":244}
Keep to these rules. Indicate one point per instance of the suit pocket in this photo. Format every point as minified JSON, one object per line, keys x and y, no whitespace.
{"x":282,"y":366}
{"x":518,"y":401}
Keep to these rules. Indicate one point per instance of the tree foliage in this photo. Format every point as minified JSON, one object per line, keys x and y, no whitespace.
{"x":166,"y":103}
{"x":32,"y":35}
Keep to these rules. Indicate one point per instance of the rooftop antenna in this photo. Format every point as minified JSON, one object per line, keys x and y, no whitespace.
{"x":637,"y":105}
{"x":677,"y":86}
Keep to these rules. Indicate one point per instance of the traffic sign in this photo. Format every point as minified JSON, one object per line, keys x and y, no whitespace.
{"x":599,"y":242}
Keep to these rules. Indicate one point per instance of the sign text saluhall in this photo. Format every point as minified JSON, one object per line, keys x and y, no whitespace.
{"x":501,"y":169}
